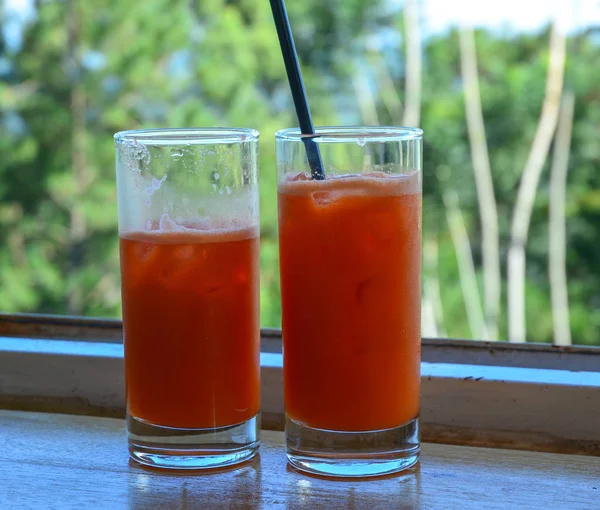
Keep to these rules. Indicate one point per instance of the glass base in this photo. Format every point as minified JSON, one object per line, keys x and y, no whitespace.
{"x":174,"y":448}
{"x":352,"y":454}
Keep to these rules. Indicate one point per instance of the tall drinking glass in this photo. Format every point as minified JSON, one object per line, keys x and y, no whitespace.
{"x":188,"y":229}
{"x":350,"y":259}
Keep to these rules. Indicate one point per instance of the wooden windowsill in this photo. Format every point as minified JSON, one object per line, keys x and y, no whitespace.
{"x":60,"y":461}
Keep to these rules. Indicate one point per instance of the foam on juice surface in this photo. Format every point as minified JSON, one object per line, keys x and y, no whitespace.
{"x":371,"y":184}
{"x":194,"y":231}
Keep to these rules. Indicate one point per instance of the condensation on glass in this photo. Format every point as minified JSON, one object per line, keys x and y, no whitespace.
{"x":350,"y":260}
{"x":188,"y":232}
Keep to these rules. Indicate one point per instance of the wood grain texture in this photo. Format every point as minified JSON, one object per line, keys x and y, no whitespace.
{"x":433,"y":350}
{"x":557,"y":411}
{"x":61,"y":461}
{"x":61,"y":327}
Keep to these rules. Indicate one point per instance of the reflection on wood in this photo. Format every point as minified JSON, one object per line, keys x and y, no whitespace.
{"x":55,"y":461}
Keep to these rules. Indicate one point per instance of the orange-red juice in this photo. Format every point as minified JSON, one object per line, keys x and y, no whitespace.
{"x":190,"y":314}
{"x":350,"y":258}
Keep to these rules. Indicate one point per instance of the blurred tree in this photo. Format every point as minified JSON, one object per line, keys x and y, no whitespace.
{"x":557,"y":244}
{"x":486,"y":199}
{"x":85,"y":70}
{"x":71,"y":86}
{"x":528,"y":185}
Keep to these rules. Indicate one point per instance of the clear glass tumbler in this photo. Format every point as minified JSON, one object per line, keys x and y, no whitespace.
{"x":188,"y":230}
{"x":350,"y":259}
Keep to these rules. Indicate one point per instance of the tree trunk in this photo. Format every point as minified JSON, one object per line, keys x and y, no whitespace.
{"x":433,"y":315}
{"x":366,"y":102}
{"x":368,"y":110}
{"x":466,"y":267}
{"x":412,"y":93}
{"x":388,"y":93}
{"x":77,"y":224}
{"x":428,"y":323}
{"x":432,"y":306}
{"x":483,"y":182}
{"x":529,"y":183}
{"x":557,"y":229}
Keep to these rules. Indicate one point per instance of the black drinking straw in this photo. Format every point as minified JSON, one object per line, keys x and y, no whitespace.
{"x":290,"y":58}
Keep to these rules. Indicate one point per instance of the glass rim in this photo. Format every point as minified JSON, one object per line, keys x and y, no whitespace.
{"x":188,"y":136}
{"x":333,"y":134}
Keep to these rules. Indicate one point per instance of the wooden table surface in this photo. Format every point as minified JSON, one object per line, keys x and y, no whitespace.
{"x":61,"y":461}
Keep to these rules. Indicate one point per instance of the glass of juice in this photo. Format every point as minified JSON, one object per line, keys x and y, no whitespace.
{"x":189,"y":247}
{"x":350,"y":261}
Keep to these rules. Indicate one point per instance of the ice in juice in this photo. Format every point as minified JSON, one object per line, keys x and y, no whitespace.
{"x":190,"y":314}
{"x":350,"y":260}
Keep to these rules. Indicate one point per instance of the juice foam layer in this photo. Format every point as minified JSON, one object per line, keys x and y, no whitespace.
{"x":167,"y":231}
{"x":372,"y":184}
{"x":350,"y":260}
{"x":191,"y":322}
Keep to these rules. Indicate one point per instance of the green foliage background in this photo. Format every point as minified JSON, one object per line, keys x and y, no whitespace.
{"x":85,"y":70}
